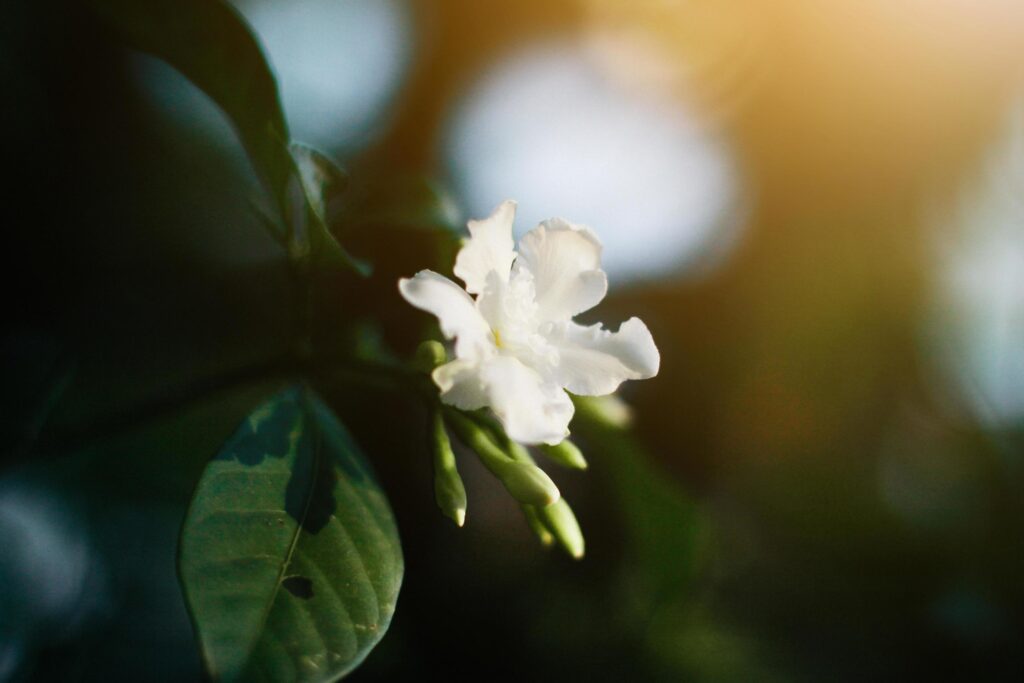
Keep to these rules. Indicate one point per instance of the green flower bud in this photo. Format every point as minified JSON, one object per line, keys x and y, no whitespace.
{"x":609,"y":410}
{"x":449,"y":491}
{"x":527,"y":483}
{"x":566,"y":454}
{"x":518,"y":452}
{"x":561,"y":522}
{"x":429,"y":355}
{"x":524,"y":480}
{"x":533,"y":519}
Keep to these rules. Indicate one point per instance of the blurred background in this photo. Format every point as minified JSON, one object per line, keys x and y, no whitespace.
{"x":817,"y":207}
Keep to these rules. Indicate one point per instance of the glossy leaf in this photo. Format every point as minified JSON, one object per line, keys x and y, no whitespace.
{"x":289,"y":556}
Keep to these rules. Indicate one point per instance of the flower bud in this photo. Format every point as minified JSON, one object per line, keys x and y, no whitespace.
{"x":532,"y":519}
{"x":561,"y":522}
{"x":449,"y":491}
{"x":527,"y":483}
{"x":524,"y":480}
{"x":429,"y":355}
{"x":610,"y":410}
{"x":566,"y":454}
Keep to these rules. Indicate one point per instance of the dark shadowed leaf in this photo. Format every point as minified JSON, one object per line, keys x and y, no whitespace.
{"x":209,"y":42}
{"x":322,"y":179}
{"x":406,"y":201}
{"x":289,"y":556}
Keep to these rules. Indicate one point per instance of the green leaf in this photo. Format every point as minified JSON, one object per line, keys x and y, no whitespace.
{"x":321,"y":176}
{"x":210,"y":43}
{"x":321,"y":179}
{"x":289,"y":556}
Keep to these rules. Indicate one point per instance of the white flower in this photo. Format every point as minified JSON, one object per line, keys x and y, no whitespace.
{"x":516,"y":347}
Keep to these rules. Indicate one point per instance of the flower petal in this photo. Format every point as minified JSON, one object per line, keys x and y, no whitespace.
{"x":460,"y":384}
{"x":455,"y":310}
{"x":565,"y":260}
{"x":509,"y":305}
{"x":531,"y":409}
{"x":593,"y":361}
{"x":489,"y":248}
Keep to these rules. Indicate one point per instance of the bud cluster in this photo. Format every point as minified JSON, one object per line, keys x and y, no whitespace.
{"x":546,"y":512}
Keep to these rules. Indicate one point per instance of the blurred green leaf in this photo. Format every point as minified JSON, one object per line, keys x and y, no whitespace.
{"x":289,"y":556}
{"x":322,"y":179}
{"x":665,"y":530}
{"x":406,"y":201}
{"x":409,"y":208}
{"x":210,"y":43}
{"x":321,"y":176}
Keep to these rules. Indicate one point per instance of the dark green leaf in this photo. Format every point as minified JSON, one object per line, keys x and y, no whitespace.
{"x":321,"y":177}
{"x":289,"y":556}
{"x":405,"y":201}
{"x":210,"y":43}
{"x":321,"y":180}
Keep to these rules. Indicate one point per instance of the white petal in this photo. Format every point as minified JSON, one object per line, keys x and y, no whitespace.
{"x":593,"y":361}
{"x":565,"y":260}
{"x":490,"y":302}
{"x":460,"y":384}
{"x":455,"y":310}
{"x":531,"y":409}
{"x":489,"y":248}
{"x":509,"y":305}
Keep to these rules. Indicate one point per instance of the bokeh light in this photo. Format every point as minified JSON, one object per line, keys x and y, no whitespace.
{"x":980,"y":310}
{"x":338,"y":62}
{"x":550,"y":129}
{"x":53,"y":580}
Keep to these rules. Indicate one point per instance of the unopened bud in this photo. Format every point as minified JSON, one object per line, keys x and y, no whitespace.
{"x":527,"y":483}
{"x":429,"y":355}
{"x":609,"y":410}
{"x":566,"y":454}
{"x":533,"y":520}
{"x":449,"y":491}
{"x":561,"y":522}
{"x":524,"y":480}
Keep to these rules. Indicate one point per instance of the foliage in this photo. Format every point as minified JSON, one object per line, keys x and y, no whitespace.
{"x":289,"y":554}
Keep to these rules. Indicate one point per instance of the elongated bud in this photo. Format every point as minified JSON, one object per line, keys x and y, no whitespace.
{"x":559,"y":519}
{"x":429,"y":355}
{"x":566,"y":454}
{"x":518,"y":452}
{"x":449,"y":491}
{"x":527,"y":483}
{"x":524,"y":480}
{"x":610,"y":410}
{"x":533,"y":520}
